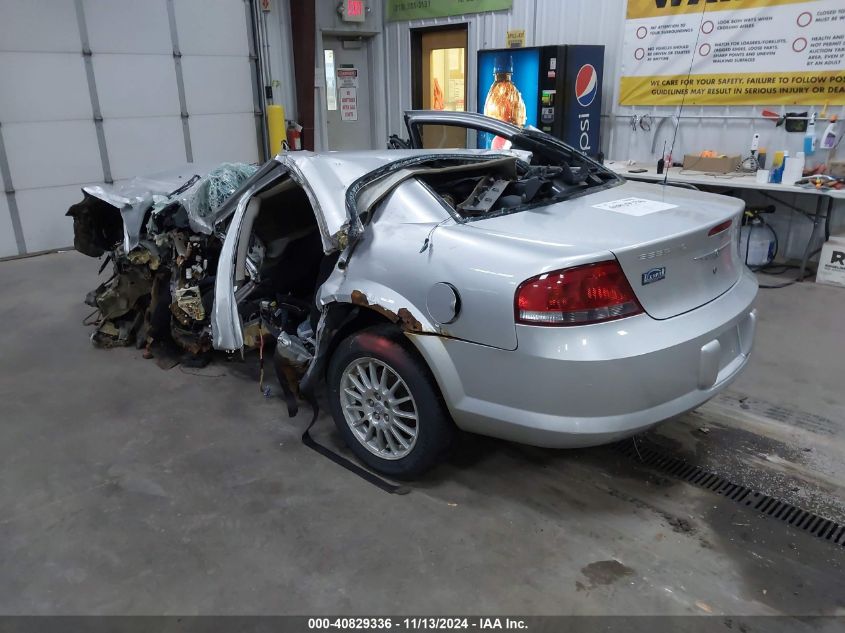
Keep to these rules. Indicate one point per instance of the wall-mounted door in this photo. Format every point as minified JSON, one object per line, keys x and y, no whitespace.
{"x":439,"y":81}
{"x":348,"y":114}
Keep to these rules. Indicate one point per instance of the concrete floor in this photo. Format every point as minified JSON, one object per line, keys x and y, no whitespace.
{"x":127,"y":489}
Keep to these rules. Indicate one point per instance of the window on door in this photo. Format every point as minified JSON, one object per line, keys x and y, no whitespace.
{"x":447,"y":88}
{"x":331,"y":86}
{"x":439,"y":79}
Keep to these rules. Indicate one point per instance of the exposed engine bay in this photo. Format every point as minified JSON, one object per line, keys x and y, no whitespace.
{"x":160,"y":294}
{"x":159,"y":289}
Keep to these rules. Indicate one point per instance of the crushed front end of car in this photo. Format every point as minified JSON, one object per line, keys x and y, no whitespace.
{"x":161,"y":237}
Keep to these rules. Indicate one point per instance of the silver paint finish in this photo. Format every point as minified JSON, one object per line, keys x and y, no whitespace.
{"x":486,"y":260}
{"x":675,"y":239}
{"x":581,"y":386}
{"x":442,"y":302}
{"x":552,"y":386}
{"x":226,"y":328}
{"x":708,"y":369}
{"x":327,"y":176}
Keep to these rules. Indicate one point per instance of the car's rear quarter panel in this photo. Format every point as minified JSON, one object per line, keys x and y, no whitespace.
{"x":486,"y":269}
{"x":568,"y":387}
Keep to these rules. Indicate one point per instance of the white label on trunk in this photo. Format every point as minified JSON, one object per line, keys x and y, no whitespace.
{"x":634,"y":206}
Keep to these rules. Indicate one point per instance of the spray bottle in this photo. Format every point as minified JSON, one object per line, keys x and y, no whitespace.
{"x":829,"y":136}
{"x":810,"y":136}
{"x":777,"y":171}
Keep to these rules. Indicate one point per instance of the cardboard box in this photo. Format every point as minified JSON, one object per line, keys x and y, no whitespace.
{"x":721,"y":165}
{"x":832,"y":263}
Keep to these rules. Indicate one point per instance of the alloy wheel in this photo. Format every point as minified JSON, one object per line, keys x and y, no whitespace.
{"x":379,"y":408}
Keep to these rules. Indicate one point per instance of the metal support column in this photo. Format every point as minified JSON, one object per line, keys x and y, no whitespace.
{"x":257,"y":80}
{"x":92,"y":91}
{"x":9,"y":190}
{"x":180,"y":82}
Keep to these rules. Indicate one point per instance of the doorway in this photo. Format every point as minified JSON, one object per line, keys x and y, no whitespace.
{"x":439,"y":79}
{"x":347,"y":107}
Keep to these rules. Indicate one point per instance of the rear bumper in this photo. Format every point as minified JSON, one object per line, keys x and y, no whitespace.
{"x":589,"y":385}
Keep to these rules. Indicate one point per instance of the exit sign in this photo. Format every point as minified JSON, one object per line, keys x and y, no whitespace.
{"x":353,"y":11}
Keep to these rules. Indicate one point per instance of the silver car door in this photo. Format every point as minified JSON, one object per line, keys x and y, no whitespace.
{"x":226,"y":329}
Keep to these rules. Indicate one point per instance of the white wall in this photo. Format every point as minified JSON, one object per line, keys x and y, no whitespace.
{"x":548,"y":22}
{"x":46,"y":112}
{"x":281,"y":57}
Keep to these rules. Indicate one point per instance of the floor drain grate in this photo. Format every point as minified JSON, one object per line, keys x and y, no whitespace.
{"x":794,"y":516}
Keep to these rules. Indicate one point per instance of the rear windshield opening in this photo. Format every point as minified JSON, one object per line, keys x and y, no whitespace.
{"x":499,"y":187}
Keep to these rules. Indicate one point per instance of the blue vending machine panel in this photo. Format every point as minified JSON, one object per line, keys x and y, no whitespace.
{"x":582,"y":97}
{"x":507,"y":87}
{"x":554,"y":88}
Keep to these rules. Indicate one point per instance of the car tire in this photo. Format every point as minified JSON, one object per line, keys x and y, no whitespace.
{"x":375,"y":413}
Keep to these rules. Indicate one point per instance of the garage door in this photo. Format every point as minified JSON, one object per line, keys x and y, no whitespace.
{"x":165,"y":82}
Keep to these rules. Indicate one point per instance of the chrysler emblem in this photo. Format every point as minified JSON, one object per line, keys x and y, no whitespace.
{"x":655,"y":274}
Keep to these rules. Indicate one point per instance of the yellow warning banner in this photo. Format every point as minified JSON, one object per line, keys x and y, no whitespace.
{"x":734,"y":52}
{"x":656,"y":8}
{"x":737,"y":89}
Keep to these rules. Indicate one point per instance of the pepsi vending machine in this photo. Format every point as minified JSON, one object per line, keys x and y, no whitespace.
{"x":554,"y":88}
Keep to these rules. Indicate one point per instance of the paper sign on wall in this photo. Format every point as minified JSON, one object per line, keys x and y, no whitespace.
{"x":347,"y":77}
{"x":516,"y":39}
{"x":348,"y":104}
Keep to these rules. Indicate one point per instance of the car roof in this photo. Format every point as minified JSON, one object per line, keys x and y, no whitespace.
{"x":356,"y":163}
{"x":329,"y":174}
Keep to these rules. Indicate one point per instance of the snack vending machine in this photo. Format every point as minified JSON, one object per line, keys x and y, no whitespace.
{"x":554,"y":88}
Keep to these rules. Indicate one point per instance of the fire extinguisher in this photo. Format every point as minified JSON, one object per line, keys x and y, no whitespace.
{"x":294,"y":134}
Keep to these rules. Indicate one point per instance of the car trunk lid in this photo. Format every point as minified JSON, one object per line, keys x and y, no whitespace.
{"x":677,"y":247}
{"x":676,"y":274}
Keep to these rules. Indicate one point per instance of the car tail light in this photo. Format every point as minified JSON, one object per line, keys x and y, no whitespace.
{"x":720,"y":228}
{"x":576,"y":296}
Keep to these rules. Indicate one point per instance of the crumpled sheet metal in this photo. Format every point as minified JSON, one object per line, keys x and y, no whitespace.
{"x":328,"y":178}
{"x":133,"y":198}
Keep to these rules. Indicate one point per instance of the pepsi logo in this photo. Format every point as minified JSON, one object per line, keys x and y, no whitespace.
{"x":586,"y":85}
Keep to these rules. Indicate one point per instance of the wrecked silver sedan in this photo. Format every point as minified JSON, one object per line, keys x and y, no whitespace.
{"x":527,"y":293}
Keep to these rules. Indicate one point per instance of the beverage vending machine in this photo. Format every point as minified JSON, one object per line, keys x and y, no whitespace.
{"x":554,"y":88}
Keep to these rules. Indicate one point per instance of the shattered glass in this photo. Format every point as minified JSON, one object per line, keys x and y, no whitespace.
{"x":210,"y":192}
